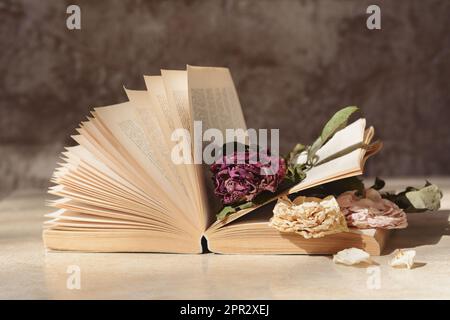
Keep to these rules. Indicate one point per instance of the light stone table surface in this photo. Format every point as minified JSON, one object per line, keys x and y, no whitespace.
{"x":27,"y":271}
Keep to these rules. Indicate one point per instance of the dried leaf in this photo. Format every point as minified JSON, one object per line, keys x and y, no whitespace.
{"x":232,"y":209}
{"x":414,"y":199}
{"x":224,"y":212}
{"x":427,"y":198}
{"x":378,"y":184}
{"x":337,"y":122}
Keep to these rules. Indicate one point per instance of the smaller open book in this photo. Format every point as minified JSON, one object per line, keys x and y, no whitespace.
{"x":119,"y":190}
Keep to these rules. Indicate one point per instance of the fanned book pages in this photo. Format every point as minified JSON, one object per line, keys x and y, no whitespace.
{"x":120,"y":191}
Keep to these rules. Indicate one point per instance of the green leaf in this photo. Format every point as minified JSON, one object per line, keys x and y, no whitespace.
{"x":225,"y":211}
{"x":230,"y":209}
{"x":417,"y":200}
{"x":314,"y":148}
{"x":246,"y":205}
{"x":427,"y":198}
{"x":338,"y":121}
{"x":296,"y":173}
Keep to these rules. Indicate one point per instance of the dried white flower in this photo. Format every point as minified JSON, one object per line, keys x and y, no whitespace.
{"x":351,"y":256}
{"x":308,"y":217}
{"x":403,"y":258}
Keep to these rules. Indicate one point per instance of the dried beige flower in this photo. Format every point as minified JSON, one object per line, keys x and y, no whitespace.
{"x":403,"y":258}
{"x":351,"y":256}
{"x":309,"y":217}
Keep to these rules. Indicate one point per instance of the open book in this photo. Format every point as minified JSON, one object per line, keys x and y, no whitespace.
{"x":120,"y":191}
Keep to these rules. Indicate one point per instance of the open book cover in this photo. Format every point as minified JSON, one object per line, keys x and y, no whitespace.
{"x":119,"y":190}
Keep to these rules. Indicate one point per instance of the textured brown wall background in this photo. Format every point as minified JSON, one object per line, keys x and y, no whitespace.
{"x":294,"y":63}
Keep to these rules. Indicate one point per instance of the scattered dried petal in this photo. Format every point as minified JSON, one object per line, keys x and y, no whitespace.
{"x":308,"y":217}
{"x":403,"y":258}
{"x":351,"y":256}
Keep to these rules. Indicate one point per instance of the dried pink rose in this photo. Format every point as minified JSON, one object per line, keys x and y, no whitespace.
{"x":371,"y":211}
{"x":236,"y":182}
